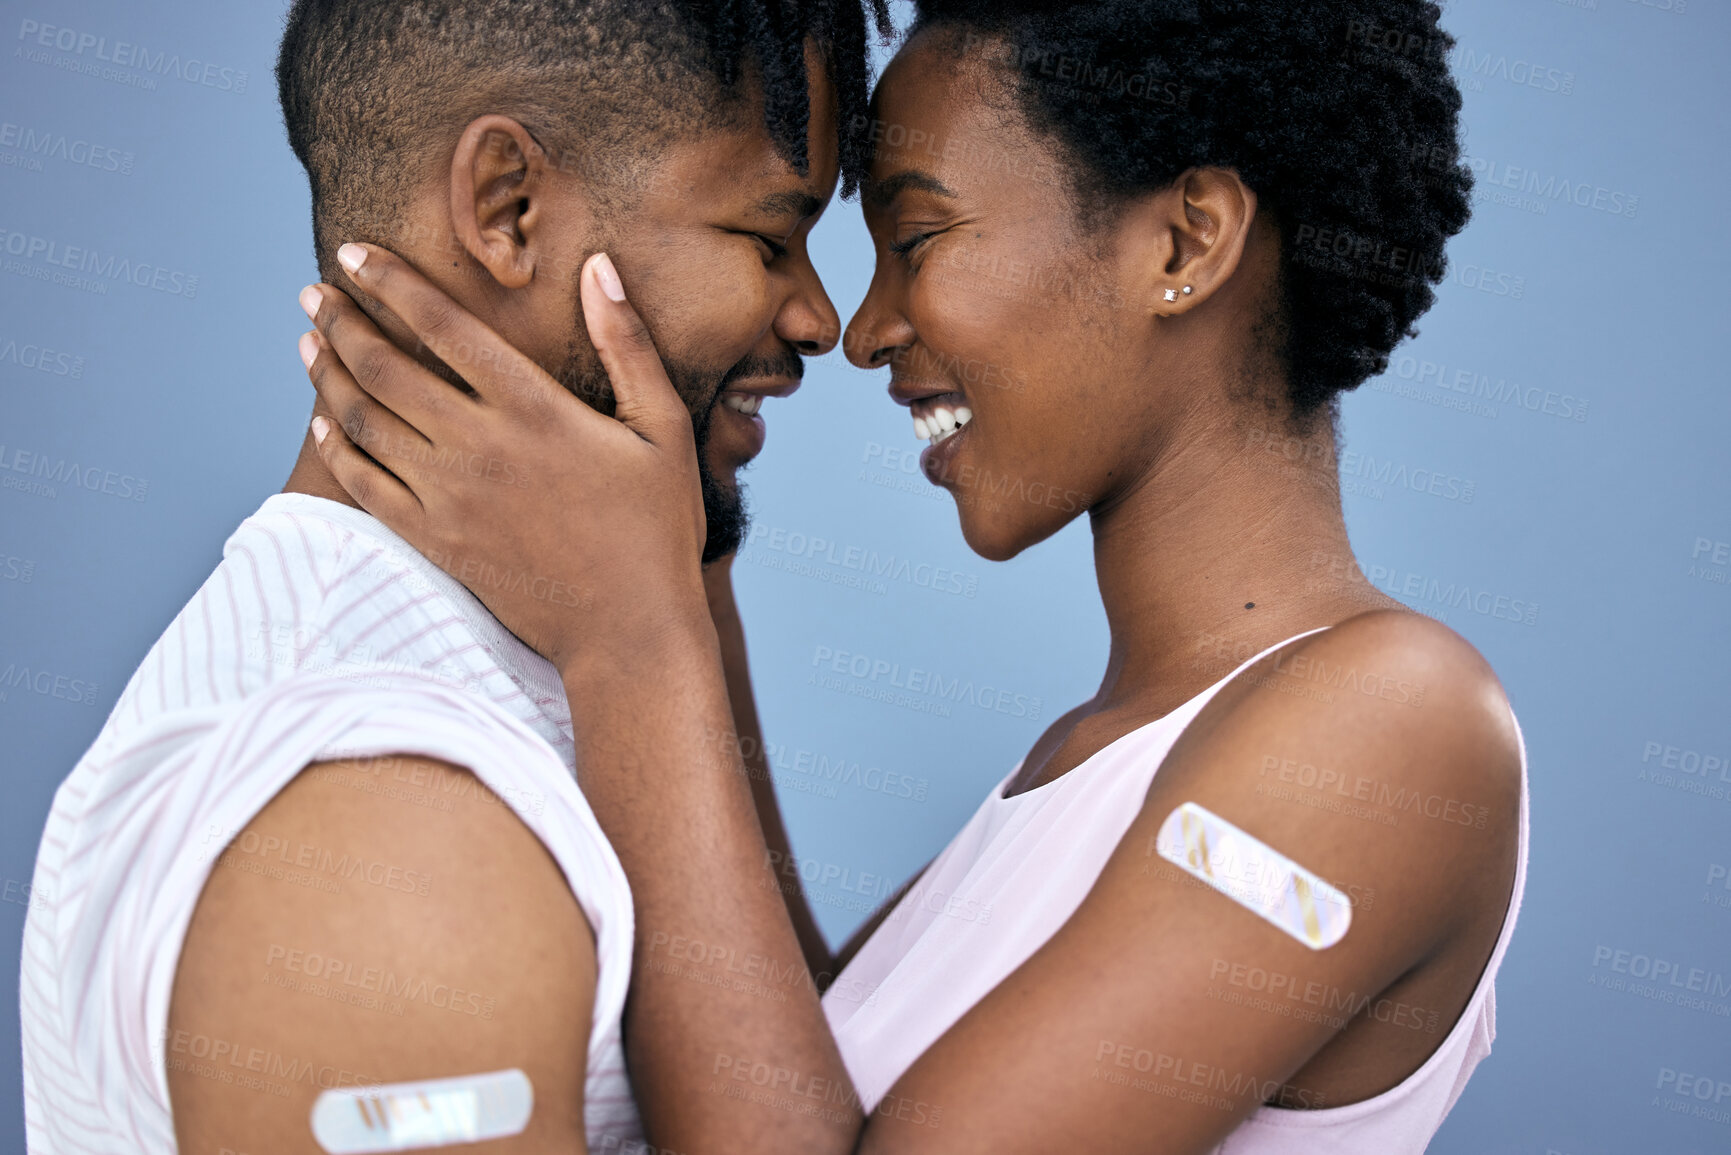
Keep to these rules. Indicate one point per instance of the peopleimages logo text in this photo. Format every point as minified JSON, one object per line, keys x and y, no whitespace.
{"x":41,"y":358}
{"x":113,"y":267}
{"x":123,"y":54}
{"x":50,"y":144}
{"x":1489,"y":174}
{"x":60,"y":471}
{"x":915,"y":680}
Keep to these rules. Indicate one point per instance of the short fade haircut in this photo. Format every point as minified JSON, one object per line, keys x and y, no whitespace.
{"x":371,"y":89}
{"x":1341,"y":115}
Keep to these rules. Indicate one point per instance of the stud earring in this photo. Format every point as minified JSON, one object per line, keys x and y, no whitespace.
{"x":1171,"y":294}
{"x":1188,"y":290}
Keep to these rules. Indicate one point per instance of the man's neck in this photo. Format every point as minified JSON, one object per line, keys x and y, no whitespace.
{"x":310,"y":475}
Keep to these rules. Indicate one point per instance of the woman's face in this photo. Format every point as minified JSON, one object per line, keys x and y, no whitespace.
{"x":997,"y":316}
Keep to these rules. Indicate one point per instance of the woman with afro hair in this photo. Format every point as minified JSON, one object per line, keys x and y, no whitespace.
{"x":1177,"y":232}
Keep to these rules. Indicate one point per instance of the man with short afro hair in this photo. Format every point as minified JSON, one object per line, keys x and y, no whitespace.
{"x":330,"y":845}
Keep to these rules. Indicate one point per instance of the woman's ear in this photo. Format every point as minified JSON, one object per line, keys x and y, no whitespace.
{"x":498,"y":190}
{"x":1193,"y":236}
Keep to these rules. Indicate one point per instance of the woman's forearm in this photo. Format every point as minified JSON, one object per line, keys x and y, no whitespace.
{"x":719,"y":982}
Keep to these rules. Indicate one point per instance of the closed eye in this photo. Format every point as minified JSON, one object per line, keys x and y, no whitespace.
{"x":777,"y":250}
{"x":903,"y":248}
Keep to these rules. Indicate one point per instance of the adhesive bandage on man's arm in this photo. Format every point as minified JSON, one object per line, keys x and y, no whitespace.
{"x":429,"y":1113}
{"x":1255,"y":875}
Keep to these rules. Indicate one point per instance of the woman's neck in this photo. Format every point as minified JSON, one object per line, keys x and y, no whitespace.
{"x":1224,"y":547}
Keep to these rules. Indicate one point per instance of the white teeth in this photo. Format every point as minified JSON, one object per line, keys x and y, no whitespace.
{"x":935,"y":421}
{"x":742,"y":403}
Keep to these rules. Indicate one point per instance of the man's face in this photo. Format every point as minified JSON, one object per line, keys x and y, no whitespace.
{"x":714,"y":258}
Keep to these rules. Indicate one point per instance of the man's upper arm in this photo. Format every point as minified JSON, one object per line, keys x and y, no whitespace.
{"x":1124,"y":1032}
{"x":351,"y":938}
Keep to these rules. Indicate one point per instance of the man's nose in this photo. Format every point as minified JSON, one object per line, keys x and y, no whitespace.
{"x":808,"y":321}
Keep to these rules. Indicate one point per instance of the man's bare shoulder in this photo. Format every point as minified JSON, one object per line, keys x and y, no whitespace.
{"x":352,"y":937}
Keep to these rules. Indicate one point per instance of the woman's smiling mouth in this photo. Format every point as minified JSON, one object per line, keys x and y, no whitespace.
{"x":936,"y":418}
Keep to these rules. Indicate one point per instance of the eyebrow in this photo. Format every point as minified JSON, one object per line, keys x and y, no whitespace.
{"x":794,"y":202}
{"x":879,"y":193}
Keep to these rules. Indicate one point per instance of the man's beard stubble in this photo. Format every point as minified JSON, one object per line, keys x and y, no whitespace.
{"x":724,"y":511}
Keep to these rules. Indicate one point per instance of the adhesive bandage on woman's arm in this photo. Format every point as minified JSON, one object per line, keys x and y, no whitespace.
{"x":432,"y":1113}
{"x":1255,"y":875}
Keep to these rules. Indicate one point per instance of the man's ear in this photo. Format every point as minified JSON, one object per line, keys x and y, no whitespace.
{"x":498,"y":195}
{"x":1191,"y":238}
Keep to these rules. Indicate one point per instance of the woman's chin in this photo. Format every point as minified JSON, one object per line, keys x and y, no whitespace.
{"x":1000,"y":529}
{"x":993,"y":538}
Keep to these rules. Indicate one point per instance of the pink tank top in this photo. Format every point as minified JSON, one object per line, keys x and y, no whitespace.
{"x":1015,"y":874}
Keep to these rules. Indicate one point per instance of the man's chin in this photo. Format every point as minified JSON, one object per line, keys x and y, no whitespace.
{"x":732,"y":439}
{"x":724,"y":510}
{"x":723,"y":470}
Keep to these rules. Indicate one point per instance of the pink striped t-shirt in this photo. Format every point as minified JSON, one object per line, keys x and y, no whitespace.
{"x":321,"y":636}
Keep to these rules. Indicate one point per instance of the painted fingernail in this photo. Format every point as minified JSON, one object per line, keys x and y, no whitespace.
{"x":310,"y":298}
{"x":320,"y":428}
{"x":309,"y":347}
{"x":609,"y":278}
{"x":351,"y":257}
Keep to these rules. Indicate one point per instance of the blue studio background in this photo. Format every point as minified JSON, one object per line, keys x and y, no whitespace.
{"x":1569,"y":387}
